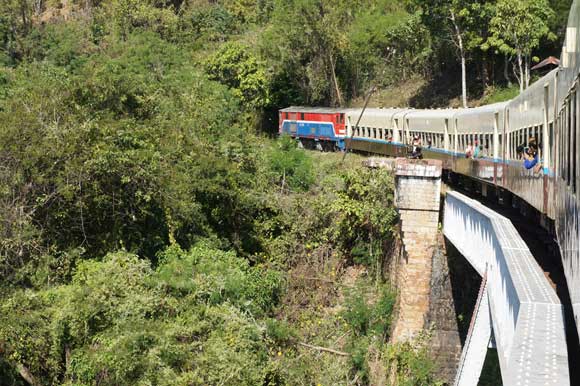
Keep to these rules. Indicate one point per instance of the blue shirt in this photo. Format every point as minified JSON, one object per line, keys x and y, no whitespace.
{"x":528,"y":164}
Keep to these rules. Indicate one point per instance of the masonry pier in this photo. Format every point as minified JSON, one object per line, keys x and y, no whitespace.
{"x":417,"y":198}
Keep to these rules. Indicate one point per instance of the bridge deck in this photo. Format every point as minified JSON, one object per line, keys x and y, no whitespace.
{"x":526,"y":315}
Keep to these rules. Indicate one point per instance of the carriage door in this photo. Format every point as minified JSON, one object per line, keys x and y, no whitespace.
{"x":293,"y":126}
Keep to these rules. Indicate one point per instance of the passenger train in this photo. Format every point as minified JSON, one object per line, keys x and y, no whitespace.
{"x":549,"y":111}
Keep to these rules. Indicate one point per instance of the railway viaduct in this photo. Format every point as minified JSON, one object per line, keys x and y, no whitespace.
{"x":517,"y":311}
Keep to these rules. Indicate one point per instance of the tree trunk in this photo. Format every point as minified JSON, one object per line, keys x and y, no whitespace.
{"x":521,"y":72}
{"x":506,"y":72}
{"x":463,"y":81}
{"x":527,"y":70}
{"x":26,"y":374}
{"x":335,"y":81}
{"x":484,"y":71}
{"x":459,"y":38}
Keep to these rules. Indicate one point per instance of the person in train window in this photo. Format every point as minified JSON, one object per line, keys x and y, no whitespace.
{"x":429,"y":143}
{"x":469,"y":150}
{"x":482,"y":152}
{"x":531,"y":157}
{"x":476,"y":149}
{"x":416,"y":152}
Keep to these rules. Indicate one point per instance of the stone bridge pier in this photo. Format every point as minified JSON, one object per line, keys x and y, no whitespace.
{"x":417,"y":198}
{"x":422,"y":273}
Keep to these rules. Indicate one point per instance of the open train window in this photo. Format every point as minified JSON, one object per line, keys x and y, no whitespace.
{"x":301,"y":116}
{"x":540,"y":140}
{"x":573,"y":117}
{"x":577,"y":137}
{"x":568,"y":141}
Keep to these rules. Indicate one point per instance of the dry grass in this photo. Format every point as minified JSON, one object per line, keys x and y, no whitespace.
{"x":398,"y":95}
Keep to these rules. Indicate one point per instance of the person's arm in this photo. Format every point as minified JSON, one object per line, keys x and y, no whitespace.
{"x":530,"y":161}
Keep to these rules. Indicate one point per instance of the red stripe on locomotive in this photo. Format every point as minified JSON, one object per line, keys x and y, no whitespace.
{"x":337,"y":119}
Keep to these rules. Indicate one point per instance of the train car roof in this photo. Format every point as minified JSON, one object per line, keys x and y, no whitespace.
{"x":491,"y":108}
{"x":442,"y":113}
{"x":320,"y":110}
{"x":374,"y":112}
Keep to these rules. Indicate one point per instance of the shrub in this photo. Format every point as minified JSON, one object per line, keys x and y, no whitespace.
{"x":290,"y":167}
{"x":280,"y":332}
{"x":365,"y":318}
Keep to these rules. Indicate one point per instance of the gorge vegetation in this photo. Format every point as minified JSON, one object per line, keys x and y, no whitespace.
{"x":151,"y":233}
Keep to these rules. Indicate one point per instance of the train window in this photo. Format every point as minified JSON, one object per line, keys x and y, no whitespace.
{"x":568,"y":141}
{"x":301,"y":116}
{"x":559,"y":144}
{"x":561,"y":126}
{"x":562,"y":134}
{"x":577,"y":137}
{"x":573,"y":115}
{"x":539,"y":138}
{"x":551,"y":143}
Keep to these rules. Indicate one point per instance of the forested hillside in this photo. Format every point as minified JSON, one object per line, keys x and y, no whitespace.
{"x":151,"y":233}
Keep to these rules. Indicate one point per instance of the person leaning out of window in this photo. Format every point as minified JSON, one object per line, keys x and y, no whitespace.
{"x":531,"y":156}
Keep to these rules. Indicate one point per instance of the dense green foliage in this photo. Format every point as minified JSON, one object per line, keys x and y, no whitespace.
{"x":150,"y":233}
